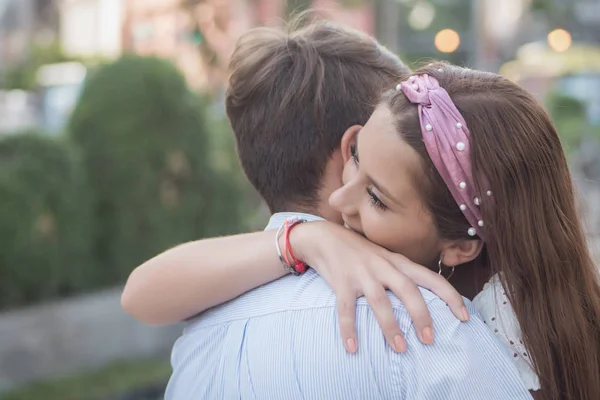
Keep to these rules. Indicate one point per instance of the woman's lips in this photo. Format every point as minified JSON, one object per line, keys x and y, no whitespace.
{"x":353,"y":230}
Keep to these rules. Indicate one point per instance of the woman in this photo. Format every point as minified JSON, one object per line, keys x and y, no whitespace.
{"x":459,"y":170}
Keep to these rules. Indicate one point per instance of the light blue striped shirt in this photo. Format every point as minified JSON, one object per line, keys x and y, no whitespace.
{"x":282,"y":341}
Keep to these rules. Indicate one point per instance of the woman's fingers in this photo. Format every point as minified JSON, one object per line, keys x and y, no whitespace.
{"x":346,"y":305}
{"x":382,"y":308}
{"x":434,"y":282}
{"x":409,"y":294}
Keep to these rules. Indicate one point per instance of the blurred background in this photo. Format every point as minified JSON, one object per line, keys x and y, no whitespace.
{"x":114,"y":147}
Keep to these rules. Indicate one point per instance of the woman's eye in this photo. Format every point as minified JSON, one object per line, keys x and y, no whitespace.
{"x":375,"y":201}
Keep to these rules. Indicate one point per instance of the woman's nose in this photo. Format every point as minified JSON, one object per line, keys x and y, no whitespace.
{"x":344,"y":200}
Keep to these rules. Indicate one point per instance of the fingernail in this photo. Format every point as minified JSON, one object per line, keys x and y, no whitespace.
{"x":465,"y":314}
{"x":427,"y":335}
{"x":351,"y":345}
{"x":399,"y":344}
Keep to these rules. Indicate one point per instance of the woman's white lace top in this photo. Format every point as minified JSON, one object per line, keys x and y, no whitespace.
{"x":497,"y":313}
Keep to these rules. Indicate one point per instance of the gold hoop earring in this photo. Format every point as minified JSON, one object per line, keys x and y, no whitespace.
{"x":441,"y":266}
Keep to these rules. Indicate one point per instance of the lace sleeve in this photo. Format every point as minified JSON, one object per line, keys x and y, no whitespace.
{"x":498,"y":315}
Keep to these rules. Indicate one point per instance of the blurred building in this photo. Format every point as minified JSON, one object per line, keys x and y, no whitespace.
{"x":200,"y":35}
{"x":91,"y":28}
{"x":23,"y":22}
{"x":587,"y":19}
{"x":359,"y":15}
{"x":162,"y":28}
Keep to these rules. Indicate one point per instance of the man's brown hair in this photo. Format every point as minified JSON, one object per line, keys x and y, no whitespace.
{"x":291,"y":96}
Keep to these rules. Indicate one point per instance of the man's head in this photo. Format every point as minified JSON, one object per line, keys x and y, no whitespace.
{"x":291,"y":97}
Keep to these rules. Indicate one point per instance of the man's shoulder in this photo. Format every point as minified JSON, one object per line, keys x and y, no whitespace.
{"x":300,"y":294}
{"x":280,"y":322}
{"x":430,"y":298}
{"x":305,"y":292}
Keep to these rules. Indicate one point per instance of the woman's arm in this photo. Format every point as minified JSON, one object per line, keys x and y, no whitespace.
{"x":192,"y":277}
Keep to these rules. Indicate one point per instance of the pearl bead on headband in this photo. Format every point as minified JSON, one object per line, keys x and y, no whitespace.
{"x":446,"y":138}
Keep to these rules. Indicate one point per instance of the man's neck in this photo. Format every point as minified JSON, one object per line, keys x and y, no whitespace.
{"x":302,"y":209}
{"x":327,"y":213}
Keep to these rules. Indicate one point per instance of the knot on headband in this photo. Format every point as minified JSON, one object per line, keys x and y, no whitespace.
{"x":419,"y":91}
{"x":446,"y":138}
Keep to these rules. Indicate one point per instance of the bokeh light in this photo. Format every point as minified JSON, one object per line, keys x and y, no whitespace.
{"x":559,"y":40}
{"x":447,"y":40}
{"x":421,"y":16}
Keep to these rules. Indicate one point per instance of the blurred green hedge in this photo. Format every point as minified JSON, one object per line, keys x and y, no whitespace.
{"x":570,"y":118}
{"x":44,"y":220}
{"x":145,"y":165}
{"x":144,"y":137}
{"x":568,"y":114}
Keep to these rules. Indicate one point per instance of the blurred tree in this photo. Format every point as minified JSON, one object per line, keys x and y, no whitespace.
{"x":144,"y":138}
{"x":296,"y":6}
{"x":353,"y":3}
{"x":557,"y":12}
{"x":235,"y":201}
{"x":44,"y":220}
{"x":569,"y":116}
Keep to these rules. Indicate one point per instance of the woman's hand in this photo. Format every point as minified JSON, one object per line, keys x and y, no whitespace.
{"x":355,"y":267}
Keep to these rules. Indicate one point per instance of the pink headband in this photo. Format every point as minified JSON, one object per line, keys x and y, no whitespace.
{"x":446,"y":138}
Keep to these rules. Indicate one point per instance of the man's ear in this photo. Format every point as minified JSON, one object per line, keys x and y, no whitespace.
{"x":461,"y":251}
{"x":348,"y":140}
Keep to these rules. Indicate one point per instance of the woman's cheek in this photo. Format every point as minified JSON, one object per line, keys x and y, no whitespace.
{"x":349,"y":171}
{"x":375,"y":225}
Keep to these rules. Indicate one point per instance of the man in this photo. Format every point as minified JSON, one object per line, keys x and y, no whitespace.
{"x":290,"y":99}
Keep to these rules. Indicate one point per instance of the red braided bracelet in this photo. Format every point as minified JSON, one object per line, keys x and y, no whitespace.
{"x":296,"y":266}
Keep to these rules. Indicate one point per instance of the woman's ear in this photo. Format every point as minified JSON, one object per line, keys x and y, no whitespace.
{"x":348,"y":140}
{"x":458,"y":252}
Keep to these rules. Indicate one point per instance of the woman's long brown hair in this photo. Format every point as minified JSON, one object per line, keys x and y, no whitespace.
{"x":534,"y":237}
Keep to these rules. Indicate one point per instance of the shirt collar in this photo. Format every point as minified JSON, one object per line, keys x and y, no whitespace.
{"x":277,"y":219}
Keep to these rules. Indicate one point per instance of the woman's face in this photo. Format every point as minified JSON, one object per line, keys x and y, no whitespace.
{"x":380,"y":197}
